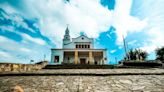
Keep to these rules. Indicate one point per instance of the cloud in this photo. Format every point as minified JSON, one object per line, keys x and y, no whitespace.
{"x":113,"y":51}
{"x":154,"y":41}
{"x":21,"y":40}
{"x":132,"y":42}
{"x":152,"y":11}
{"x":4,"y":54}
{"x":25,"y":49}
{"x":108,"y":35}
{"x":19,"y":52}
{"x":87,"y":16}
{"x":124,"y":22}
{"x":131,"y":17}
{"x":7,"y":28}
{"x":16,"y":52}
{"x":3,"y":39}
{"x":127,"y":17}
{"x":32,"y":39}
{"x":16,"y":21}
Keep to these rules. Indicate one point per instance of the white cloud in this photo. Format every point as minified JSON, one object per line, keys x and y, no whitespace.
{"x":151,"y":10}
{"x":113,"y":51}
{"x":35,"y":40}
{"x":124,"y":22}
{"x":108,"y":35}
{"x":3,"y":39}
{"x":92,"y":18}
{"x":17,"y":20}
{"x":148,"y":48}
{"x":17,"y":52}
{"x":132,"y":42}
{"x":154,"y":41}
{"x":4,"y":54}
{"x":7,"y":28}
{"x":25,"y":49}
{"x":6,"y":43}
{"x":7,"y":8}
{"x":88,"y":16}
{"x":26,"y":37}
{"x":120,"y":47}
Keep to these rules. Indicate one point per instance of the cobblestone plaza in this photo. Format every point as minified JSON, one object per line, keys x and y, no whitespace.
{"x":115,"y":83}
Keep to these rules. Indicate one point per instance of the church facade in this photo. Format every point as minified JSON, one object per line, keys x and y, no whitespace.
{"x":78,"y":50}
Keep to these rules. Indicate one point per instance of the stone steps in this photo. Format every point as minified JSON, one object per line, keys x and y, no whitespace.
{"x":87,"y":72}
{"x":77,"y":74}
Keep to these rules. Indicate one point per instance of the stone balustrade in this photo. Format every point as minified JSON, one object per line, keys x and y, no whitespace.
{"x":5,"y":67}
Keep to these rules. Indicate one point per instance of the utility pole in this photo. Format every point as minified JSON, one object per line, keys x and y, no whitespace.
{"x":125,"y":48}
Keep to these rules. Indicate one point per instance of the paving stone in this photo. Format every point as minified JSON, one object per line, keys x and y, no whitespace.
{"x":123,"y":83}
{"x":138,"y":87}
{"x":126,"y":81}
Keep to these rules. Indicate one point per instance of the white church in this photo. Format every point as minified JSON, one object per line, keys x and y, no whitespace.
{"x":79,"y":50}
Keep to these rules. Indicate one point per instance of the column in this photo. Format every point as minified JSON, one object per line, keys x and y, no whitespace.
{"x":76,"y":57}
{"x":90,"y":57}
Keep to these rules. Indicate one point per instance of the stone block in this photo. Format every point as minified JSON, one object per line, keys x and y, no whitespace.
{"x":17,"y":89}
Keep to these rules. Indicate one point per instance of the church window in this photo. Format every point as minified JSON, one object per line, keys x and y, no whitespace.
{"x":56,"y":59}
{"x":82,"y":46}
{"x":88,"y":46}
{"x":82,"y":38}
{"x":77,"y":46}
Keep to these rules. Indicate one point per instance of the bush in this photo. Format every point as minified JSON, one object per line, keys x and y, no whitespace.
{"x":136,"y":54}
{"x":160,"y":54}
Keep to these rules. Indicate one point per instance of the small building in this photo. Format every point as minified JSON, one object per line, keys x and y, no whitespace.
{"x":78,"y":50}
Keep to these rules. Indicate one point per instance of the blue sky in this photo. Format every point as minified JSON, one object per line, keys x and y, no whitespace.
{"x":30,"y":28}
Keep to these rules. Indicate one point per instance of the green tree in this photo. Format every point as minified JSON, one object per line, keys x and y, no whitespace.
{"x":160,"y":54}
{"x":136,"y":54}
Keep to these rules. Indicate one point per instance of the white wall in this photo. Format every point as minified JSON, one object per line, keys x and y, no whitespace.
{"x":105,"y":56}
{"x":57,"y":53}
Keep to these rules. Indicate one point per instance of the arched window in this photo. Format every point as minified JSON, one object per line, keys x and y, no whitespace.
{"x":88,"y":46}
{"x":82,"y":46}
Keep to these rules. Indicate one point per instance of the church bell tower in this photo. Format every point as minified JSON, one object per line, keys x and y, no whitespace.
{"x":67,"y":38}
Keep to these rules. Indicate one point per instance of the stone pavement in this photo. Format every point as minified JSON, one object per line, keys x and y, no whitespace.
{"x":125,"y":71}
{"x":121,"y":83}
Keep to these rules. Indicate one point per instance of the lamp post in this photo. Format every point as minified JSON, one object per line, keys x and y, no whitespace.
{"x":44,"y":57}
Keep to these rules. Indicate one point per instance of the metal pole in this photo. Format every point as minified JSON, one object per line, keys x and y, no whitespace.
{"x":125,"y":47}
{"x":126,"y":44}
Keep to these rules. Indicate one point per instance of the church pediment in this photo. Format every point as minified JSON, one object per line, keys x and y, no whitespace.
{"x":82,"y":38}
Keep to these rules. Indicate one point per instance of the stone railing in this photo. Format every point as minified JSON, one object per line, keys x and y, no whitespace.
{"x":4,"y":67}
